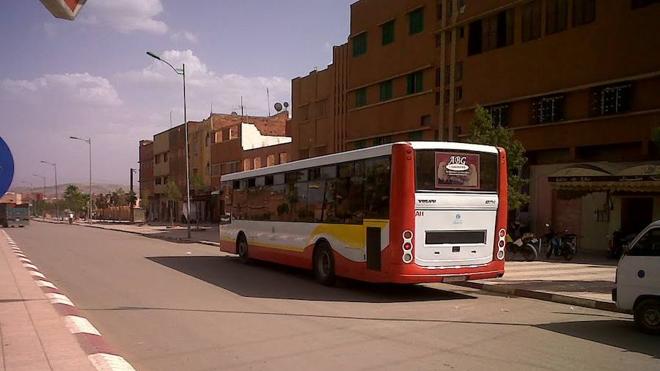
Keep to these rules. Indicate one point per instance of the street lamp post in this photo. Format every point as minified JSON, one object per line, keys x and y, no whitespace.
{"x":43,"y":209}
{"x":89,"y":208}
{"x":181,"y":71}
{"x":57,"y":205}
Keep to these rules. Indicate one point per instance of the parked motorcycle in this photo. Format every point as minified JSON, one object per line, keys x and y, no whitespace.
{"x":525,"y":246}
{"x":561,"y":245}
{"x":618,"y":244}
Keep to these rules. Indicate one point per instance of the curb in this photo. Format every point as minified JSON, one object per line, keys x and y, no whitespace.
{"x":148,"y":235}
{"x":545,"y":296}
{"x":98,"y":351}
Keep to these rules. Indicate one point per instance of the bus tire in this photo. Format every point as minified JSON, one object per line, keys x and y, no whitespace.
{"x":242,"y":248}
{"x":324,"y":264}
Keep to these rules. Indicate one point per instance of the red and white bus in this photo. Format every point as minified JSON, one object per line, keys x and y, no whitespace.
{"x":408,"y":212}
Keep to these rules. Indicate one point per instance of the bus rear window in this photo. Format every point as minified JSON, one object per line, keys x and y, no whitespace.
{"x":439,"y":171}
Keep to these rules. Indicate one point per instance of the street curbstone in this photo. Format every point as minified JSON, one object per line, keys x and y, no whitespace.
{"x":542,"y":295}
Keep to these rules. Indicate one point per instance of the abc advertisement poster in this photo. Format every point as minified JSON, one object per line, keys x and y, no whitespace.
{"x":456,"y":170}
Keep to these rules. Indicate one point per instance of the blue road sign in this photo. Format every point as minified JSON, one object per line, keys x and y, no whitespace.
{"x":6,"y":167}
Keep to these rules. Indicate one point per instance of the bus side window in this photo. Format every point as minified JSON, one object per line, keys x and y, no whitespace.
{"x":377,"y":188}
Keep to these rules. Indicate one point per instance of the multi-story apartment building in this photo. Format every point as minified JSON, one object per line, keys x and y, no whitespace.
{"x":220,"y":144}
{"x":146,"y":175}
{"x":578,"y":82}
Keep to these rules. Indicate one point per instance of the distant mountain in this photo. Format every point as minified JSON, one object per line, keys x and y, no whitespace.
{"x":96,"y":188}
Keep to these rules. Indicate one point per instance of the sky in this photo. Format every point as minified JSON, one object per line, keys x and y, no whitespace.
{"x":92,"y":77}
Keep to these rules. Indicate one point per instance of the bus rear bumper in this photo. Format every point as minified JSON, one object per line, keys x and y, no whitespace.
{"x":447,"y":278}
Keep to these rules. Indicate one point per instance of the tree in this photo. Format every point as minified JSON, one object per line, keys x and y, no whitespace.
{"x":172,"y":194}
{"x":484,"y":132}
{"x":75,"y":200}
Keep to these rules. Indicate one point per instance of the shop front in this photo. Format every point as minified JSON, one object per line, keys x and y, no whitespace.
{"x":595,"y":200}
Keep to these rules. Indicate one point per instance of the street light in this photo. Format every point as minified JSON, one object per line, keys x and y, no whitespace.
{"x":89,"y":208}
{"x":181,"y":71}
{"x":43,"y":209}
{"x":57,"y":205}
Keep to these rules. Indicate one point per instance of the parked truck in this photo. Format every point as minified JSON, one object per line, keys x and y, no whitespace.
{"x":12,"y":215}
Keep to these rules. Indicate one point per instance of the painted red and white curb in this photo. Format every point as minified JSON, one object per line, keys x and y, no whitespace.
{"x":99,"y":353}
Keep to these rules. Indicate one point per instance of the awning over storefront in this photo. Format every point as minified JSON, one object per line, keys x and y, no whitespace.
{"x":612,"y":177}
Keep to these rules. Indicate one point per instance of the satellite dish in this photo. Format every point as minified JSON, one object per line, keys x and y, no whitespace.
{"x":286,"y":104}
{"x":278,"y":106}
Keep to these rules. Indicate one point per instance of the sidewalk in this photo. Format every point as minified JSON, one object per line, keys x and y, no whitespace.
{"x":586,"y":281}
{"x":33,"y":335}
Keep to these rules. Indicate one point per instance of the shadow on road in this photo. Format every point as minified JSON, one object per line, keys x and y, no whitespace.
{"x":265,"y":280}
{"x":616,"y":333}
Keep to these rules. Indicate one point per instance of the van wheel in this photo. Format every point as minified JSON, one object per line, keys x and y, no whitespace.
{"x":242,"y":249}
{"x":324,"y":264}
{"x":647,"y":316}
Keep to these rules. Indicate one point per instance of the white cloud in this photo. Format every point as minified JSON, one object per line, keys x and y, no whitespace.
{"x":126,"y":15}
{"x":71,"y":87}
{"x":184,"y":36}
{"x":206,"y":87}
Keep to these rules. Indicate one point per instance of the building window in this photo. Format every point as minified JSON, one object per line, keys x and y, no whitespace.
{"x":257,"y":162}
{"x":382,"y":140}
{"x":157,"y":159}
{"x":415,"y":82}
{"x":416,"y":135}
{"x":158,"y":180}
{"x":548,"y":109}
{"x":360,"y":44}
{"x":246,"y":164}
{"x":438,"y":77}
{"x":386,"y":90}
{"x":438,"y":40}
{"x":416,"y":21}
{"x":425,"y":120}
{"x":458,"y":76}
{"x":233,"y":132}
{"x":584,"y":12}
{"x":360,"y":144}
{"x":387,"y":30}
{"x":461,"y":32}
{"x":491,"y":33}
{"x":613,"y":99}
{"x":642,"y":3}
{"x":458,"y":93}
{"x":270,"y":160}
{"x":283,"y":158}
{"x":556,"y":12}
{"x":361,"y":97}
{"x":500,"y":114}
{"x":531,"y":21}
{"x":438,"y":10}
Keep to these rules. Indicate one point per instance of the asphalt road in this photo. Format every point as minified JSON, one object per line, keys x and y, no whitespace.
{"x":168,"y":306}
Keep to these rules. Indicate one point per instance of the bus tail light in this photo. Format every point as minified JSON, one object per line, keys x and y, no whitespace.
{"x":407,"y":246}
{"x":501,"y":243}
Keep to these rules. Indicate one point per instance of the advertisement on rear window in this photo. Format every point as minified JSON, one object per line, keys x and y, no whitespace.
{"x":456,"y":170}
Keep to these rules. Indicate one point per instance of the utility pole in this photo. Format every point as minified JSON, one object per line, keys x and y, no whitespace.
{"x":182,"y":71}
{"x":89,"y":207}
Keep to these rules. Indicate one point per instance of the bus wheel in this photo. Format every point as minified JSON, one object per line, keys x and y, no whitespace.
{"x":324,"y":264}
{"x":242,"y":249}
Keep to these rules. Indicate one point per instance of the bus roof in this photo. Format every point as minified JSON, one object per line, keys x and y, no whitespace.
{"x":375,"y":151}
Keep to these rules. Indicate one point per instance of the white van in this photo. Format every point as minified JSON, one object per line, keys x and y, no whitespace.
{"x":638,"y":279}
